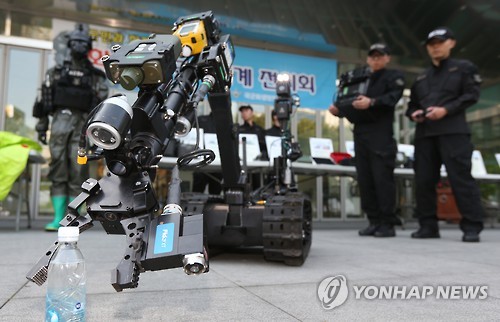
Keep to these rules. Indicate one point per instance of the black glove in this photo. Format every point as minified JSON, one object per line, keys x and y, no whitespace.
{"x":41,"y":127}
{"x":42,"y":137}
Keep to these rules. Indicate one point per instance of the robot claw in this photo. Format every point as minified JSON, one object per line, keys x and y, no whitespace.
{"x":168,"y":241}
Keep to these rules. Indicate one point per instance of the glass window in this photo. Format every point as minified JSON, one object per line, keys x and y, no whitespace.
{"x":352,"y":199}
{"x":260,"y":117}
{"x":22,"y":90}
{"x":21,"y":72}
{"x":307,"y":185}
{"x":31,"y":26}
{"x":331,"y":184}
{"x":349,"y":127}
{"x":331,"y":197}
{"x":330,"y":128}
{"x":3,"y":15}
{"x":306,"y":127}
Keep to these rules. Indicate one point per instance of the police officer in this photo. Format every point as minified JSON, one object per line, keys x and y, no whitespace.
{"x":69,"y":92}
{"x":250,"y":127}
{"x":439,"y":98}
{"x":374,"y":144}
{"x":275,"y":129}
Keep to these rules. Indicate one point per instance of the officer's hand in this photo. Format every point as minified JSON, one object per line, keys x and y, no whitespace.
{"x":361,"y":102}
{"x":436,"y":113}
{"x":334,"y":110}
{"x":42,"y":137}
{"x":418,"y":116}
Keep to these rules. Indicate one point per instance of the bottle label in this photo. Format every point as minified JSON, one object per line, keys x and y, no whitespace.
{"x":164,"y":240}
{"x":67,"y":309}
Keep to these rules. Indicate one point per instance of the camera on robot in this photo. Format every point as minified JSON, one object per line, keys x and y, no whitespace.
{"x":286,"y":100}
{"x":143,"y":62}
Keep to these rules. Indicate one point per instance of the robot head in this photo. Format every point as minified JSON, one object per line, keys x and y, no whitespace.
{"x":79,"y":42}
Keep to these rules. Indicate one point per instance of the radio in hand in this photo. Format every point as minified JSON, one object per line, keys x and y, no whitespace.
{"x":351,"y":85}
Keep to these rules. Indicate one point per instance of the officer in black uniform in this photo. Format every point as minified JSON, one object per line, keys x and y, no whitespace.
{"x":275,"y":129}
{"x":374,"y":144}
{"x":250,"y":127}
{"x":70,"y":91}
{"x":439,"y":98}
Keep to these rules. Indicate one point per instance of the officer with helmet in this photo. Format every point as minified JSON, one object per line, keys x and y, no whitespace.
{"x":70,"y":91}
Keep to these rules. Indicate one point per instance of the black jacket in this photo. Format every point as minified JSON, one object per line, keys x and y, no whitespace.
{"x":274,"y":131}
{"x":454,"y":85}
{"x":385,"y":88}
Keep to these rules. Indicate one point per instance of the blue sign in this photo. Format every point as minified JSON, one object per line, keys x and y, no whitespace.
{"x":255,"y":71}
{"x":164,"y":239}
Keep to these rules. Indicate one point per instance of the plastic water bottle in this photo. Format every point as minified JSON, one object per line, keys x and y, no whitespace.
{"x":65,"y":299}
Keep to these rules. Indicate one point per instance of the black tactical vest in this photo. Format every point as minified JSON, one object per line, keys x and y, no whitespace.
{"x":73,"y":88}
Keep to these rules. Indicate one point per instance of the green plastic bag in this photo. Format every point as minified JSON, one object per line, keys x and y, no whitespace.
{"x":14,"y":152}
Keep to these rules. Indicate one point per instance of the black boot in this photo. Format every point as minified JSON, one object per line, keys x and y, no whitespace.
{"x":471,"y":230}
{"x":368,"y":231}
{"x":426,"y":232}
{"x":385,"y":230}
{"x":470,"y":237}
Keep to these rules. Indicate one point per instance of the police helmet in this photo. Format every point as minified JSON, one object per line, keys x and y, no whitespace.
{"x":81,"y":33}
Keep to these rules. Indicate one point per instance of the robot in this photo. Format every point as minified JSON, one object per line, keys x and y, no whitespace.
{"x":133,"y":138}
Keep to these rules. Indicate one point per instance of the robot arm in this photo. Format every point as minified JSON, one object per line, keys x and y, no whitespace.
{"x":133,"y":138}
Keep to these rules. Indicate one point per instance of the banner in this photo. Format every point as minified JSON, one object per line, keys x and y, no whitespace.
{"x":313,"y":79}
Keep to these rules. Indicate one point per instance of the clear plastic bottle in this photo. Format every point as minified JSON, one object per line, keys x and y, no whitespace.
{"x":65,"y":299}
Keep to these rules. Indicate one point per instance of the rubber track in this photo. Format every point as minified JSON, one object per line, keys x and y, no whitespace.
{"x":286,"y":228}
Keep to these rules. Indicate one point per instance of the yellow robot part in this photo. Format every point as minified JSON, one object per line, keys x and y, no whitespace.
{"x":193,"y":37}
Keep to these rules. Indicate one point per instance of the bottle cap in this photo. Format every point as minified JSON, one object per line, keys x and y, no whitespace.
{"x":68,"y":234}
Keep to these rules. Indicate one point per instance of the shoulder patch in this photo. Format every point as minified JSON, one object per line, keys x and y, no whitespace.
{"x":453,"y":69}
{"x":400,"y":82}
{"x":477,"y":78}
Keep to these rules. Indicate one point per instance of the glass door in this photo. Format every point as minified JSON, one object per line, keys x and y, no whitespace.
{"x":23,"y":77}
{"x":21,"y":73}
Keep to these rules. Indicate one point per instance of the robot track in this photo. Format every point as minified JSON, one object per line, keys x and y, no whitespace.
{"x":287,"y":228}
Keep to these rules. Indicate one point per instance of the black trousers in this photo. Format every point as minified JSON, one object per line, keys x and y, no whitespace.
{"x":375,"y":162}
{"x":454,"y":151}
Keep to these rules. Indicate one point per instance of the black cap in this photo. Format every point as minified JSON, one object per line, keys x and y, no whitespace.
{"x":380,"y":48}
{"x":242,"y":107}
{"x":442,"y":33}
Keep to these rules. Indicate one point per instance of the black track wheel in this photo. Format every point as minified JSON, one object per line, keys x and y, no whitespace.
{"x":287,"y":228}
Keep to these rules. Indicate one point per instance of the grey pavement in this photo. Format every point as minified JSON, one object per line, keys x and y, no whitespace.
{"x":244,"y":287}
